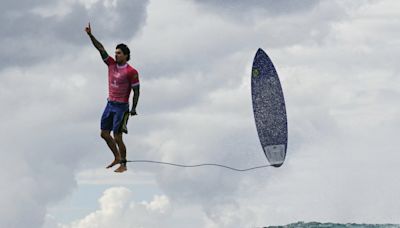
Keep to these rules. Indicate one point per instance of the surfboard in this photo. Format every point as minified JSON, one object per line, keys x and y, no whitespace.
{"x":269,"y":109}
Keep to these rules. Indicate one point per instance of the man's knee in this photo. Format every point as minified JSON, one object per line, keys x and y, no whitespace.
{"x":105,"y":135}
{"x":118,"y":138}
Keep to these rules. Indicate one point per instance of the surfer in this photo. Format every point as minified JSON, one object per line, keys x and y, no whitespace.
{"x":121,"y":79}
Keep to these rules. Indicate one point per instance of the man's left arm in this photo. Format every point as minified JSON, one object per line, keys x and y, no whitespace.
{"x":136,"y":93}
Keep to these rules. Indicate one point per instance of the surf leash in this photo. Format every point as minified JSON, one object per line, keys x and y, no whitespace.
{"x":199,"y":165}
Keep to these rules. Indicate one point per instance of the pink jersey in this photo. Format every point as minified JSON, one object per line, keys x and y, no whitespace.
{"x":121,"y":80}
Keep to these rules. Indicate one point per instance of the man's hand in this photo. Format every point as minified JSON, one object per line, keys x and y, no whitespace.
{"x":88,"y":30}
{"x":133,"y":112}
{"x":95,"y":42}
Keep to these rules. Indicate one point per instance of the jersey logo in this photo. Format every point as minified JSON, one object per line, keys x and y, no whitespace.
{"x":114,"y":84}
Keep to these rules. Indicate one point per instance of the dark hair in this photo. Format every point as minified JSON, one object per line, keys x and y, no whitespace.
{"x":124,"y":50}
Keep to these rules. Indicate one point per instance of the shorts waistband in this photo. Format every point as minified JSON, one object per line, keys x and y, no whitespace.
{"x":117,"y":102}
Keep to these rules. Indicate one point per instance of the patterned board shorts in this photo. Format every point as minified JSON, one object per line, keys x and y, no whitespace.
{"x":115,"y":117}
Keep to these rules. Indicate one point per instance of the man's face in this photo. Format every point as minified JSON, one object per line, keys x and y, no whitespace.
{"x":119,"y":56}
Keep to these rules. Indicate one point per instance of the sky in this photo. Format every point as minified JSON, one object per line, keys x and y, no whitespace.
{"x":337,"y":62}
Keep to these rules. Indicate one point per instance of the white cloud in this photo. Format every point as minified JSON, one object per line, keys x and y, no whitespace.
{"x":103,"y":177}
{"x":117,"y":208}
{"x":338,"y":68}
{"x":331,"y":83}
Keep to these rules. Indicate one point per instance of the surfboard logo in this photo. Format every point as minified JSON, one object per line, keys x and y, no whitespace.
{"x":256,"y":73}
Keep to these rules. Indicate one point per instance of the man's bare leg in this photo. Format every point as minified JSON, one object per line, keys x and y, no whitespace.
{"x":122,"y":152}
{"x":113,"y":147}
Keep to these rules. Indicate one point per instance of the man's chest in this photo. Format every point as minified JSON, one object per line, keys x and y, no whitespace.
{"x":118,"y":77}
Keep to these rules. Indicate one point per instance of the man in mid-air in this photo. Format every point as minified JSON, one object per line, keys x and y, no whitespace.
{"x":122,"y":78}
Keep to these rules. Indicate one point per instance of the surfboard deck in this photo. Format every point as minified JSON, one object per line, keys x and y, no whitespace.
{"x":269,"y":109}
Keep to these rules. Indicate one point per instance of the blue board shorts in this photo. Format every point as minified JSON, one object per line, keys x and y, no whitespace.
{"x":115,"y":117}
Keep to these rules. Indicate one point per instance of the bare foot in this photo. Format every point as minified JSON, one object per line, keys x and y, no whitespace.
{"x":116,"y":161}
{"x":121,"y":168}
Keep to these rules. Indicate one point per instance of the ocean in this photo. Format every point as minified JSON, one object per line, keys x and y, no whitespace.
{"x":334,"y":225}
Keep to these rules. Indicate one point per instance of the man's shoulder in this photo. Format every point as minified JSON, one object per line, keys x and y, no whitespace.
{"x":132,"y":70}
{"x":109,"y":61}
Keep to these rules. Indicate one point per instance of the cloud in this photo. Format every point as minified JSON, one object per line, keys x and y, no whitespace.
{"x":39,"y":32}
{"x":39,"y":42}
{"x":47,"y":136}
{"x":331,"y":82}
{"x":270,"y":7}
{"x":117,"y":208}
{"x":340,"y":86}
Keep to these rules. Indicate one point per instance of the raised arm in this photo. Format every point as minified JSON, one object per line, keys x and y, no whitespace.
{"x":95,"y":42}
